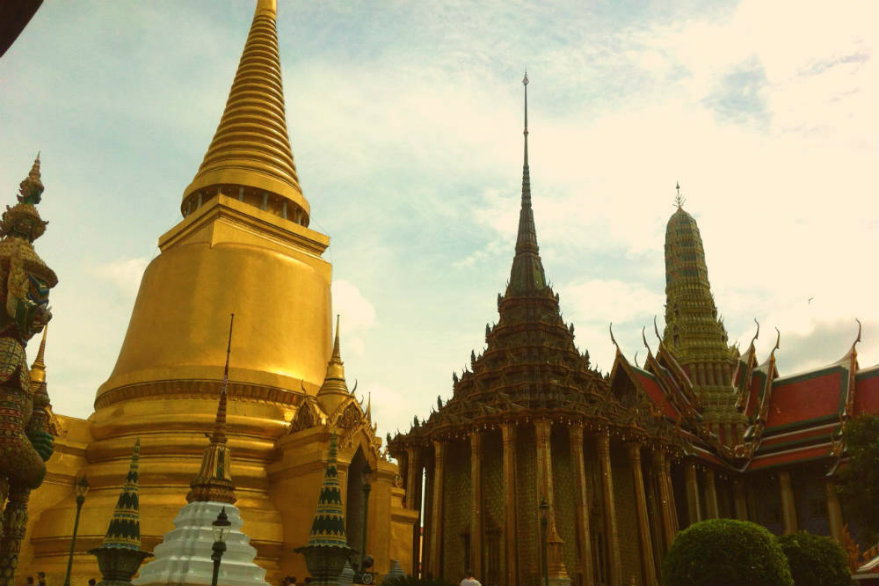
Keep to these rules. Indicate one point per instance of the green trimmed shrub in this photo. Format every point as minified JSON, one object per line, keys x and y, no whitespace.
{"x":815,"y":560}
{"x":725,"y":552}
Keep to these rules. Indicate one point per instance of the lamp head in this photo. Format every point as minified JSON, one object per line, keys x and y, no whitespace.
{"x":544,"y":509}
{"x":221,"y":526}
{"x":82,"y":487}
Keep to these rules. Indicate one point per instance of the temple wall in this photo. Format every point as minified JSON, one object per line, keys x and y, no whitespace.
{"x":402,"y":521}
{"x":527,"y":502}
{"x":61,"y":474}
{"x":627,"y":514}
{"x":764,"y":499}
{"x":457,"y":506}
{"x":725,"y":503}
{"x":679,"y":488}
{"x":810,"y":499}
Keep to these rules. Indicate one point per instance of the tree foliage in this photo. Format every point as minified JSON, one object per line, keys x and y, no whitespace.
{"x":815,"y":560}
{"x":725,"y":552}
{"x":858,"y":483}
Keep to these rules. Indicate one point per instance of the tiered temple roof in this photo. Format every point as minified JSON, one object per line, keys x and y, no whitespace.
{"x":530,"y":367}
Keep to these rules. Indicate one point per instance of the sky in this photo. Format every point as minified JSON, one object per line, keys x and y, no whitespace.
{"x":405,"y":121}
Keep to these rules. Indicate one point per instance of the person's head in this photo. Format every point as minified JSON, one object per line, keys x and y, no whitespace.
{"x":92,"y":582}
{"x":30,"y":580}
{"x":469,"y":573}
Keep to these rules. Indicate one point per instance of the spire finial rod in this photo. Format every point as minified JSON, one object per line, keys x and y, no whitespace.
{"x":228,"y":353}
{"x":525,"y":85}
{"x":679,"y":198}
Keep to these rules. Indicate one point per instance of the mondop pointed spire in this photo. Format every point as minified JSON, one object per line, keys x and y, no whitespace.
{"x":328,"y":527}
{"x":120,"y":555}
{"x":250,"y":153}
{"x":214,"y":482}
{"x":124,"y":528}
{"x":527,"y":274}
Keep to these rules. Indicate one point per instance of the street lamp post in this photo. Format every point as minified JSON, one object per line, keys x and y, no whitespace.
{"x":544,"y":522}
{"x":220,"y":528}
{"x":367,"y":476}
{"x":82,"y":489}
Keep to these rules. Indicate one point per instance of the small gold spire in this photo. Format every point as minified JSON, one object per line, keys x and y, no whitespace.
{"x":251,"y":148}
{"x":334,"y":390}
{"x":38,"y":368}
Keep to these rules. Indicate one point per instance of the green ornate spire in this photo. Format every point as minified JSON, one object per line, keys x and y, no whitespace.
{"x":124,"y":529}
{"x":527,"y":275}
{"x":692,"y":329}
{"x":328,"y":528}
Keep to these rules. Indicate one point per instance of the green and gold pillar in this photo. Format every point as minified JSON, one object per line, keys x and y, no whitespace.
{"x":647,"y":562}
{"x":476,"y":503}
{"x":508,"y":436}
{"x":694,"y":512}
{"x":581,"y":498}
{"x":436,"y":522}
{"x":610,"y":515}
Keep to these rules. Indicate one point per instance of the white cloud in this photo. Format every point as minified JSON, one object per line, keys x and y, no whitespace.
{"x":356,"y":312}
{"x":123,"y":273}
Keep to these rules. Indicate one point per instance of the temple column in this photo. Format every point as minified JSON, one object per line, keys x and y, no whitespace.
{"x":555,"y":562}
{"x":672,"y":507}
{"x":741,"y":503}
{"x":476,"y":503}
{"x":693,"y":509}
{"x":712,"y":510}
{"x":581,"y":498}
{"x":647,"y":562}
{"x":427,"y":543}
{"x":508,"y":435}
{"x":413,"y":477}
{"x":666,"y":507}
{"x":610,"y":515}
{"x":436,"y":521}
{"x":834,"y":513}
{"x":788,"y":508}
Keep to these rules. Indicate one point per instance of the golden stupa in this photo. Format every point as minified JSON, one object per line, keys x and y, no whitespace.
{"x":244,"y":247}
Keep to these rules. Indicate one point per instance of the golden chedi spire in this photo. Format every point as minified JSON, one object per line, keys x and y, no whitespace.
{"x":334,"y":390}
{"x":242,"y":244}
{"x":250,"y":156}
